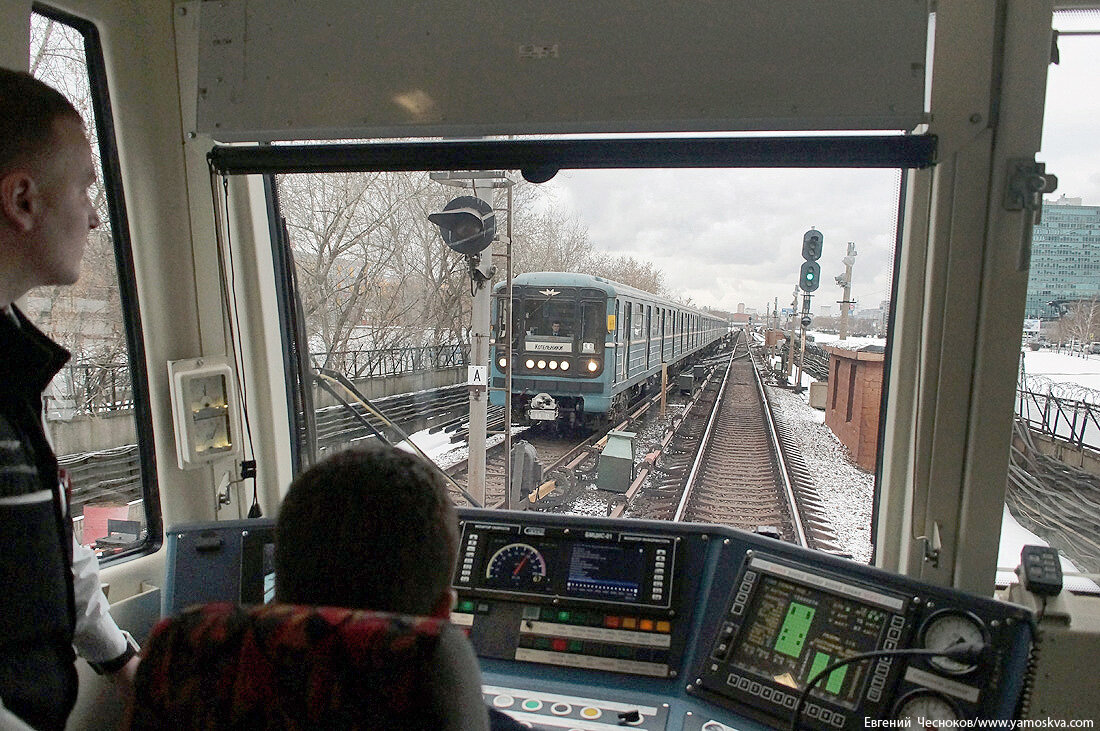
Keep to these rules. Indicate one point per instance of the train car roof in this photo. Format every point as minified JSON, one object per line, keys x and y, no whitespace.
{"x":612,"y":288}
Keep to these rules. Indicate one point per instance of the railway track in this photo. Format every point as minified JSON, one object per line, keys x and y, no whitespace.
{"x":728,"y":462}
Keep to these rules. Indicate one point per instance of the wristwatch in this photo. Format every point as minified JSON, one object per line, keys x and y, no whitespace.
{"x":109,"y":667}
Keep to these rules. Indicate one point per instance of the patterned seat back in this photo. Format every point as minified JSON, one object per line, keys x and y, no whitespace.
{"x":222,"y":666}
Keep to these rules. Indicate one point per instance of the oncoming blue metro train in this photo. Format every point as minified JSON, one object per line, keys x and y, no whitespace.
{"x":583,"y":346}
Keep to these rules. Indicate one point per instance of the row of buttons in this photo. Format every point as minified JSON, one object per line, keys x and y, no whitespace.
{"x":468,"y":559}
{"x":743,"y":593}
{"x":785,"y":700}
{"x":595,"y":649}
{"x":597,"y":619}
{"x":658,"y":575}
{"x":534,"y":705}
{"x":878,"y":681}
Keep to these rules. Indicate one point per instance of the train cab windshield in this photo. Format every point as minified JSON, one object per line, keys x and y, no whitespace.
{"x":565,"y":321}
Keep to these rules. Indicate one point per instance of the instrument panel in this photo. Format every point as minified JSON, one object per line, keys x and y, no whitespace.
{"x":597,"y":624}
{"x":717,"y":628}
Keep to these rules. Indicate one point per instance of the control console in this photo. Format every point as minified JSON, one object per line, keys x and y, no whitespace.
{"x":598,"y":624}
{"x":584,"y":597}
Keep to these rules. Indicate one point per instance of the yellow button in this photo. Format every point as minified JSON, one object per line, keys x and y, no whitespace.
{"x":630,"y":623}
{"x":664,"y":626}
{"x":590,"y":712}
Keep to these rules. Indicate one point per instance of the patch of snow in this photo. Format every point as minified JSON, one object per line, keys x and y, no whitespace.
{"x":844,"y":488}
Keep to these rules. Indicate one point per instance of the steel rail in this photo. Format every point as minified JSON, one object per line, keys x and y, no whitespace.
{"x":689,"y":484}
{"x":773,"y":435}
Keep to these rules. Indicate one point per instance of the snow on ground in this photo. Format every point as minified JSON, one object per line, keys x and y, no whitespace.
{"x":1081,"y":371}
{"x":844,"y":488}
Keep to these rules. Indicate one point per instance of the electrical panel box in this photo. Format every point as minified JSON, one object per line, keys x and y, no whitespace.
{"x":205,"y":410}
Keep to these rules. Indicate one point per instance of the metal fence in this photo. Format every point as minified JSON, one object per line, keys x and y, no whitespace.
{"x":1071,"y":420}
{"x":88,"y":389}
{"x":393,"y":361}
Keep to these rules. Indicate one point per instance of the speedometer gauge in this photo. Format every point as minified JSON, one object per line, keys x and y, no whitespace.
{"x":517,"y":565}
{"x":947,"y":628}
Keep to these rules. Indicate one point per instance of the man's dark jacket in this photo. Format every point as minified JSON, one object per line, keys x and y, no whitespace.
{"x":37,"y":613}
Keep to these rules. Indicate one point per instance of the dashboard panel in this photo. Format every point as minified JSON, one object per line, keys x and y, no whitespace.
{"x":599,"y":624}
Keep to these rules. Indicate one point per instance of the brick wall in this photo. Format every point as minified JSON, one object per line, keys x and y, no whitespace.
{"x":853,"y":401}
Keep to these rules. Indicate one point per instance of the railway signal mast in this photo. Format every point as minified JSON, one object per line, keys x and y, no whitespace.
{"x":808,"y":280}
{"x":467,"y":225}
{"x":845,"y":281}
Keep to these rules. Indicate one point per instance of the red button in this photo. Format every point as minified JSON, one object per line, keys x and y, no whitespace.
{"x":611,"y":622}
{"x":559,"y":645}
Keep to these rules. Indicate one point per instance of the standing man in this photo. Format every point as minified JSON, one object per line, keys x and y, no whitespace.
{"x":52,"y":599}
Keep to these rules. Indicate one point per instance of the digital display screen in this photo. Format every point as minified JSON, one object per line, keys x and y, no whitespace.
{"x":792,"y":631}
{"x":595,"y":565}
{"x":613,"y":572}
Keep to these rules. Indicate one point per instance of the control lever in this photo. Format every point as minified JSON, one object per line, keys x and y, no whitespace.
{"x":629,"y":717}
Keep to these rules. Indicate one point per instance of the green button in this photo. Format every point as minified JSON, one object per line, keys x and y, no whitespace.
{"x":532,"y":705}
{"x":542,"y":643}
{"x":563,"y":616}
{"x":580,"y":617}
{"x":547,"y":615}
{"x":466,"y":606}
{"x":575,"y":645}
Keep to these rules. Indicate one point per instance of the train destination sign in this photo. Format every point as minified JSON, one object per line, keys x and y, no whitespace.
{"x":538,"y":346}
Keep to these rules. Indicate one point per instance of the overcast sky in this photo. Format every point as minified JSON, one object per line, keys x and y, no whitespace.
{"x":725,"y":237}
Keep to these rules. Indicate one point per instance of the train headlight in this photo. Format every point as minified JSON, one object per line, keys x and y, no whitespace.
{"x":593,"y":366}
{"x":565,"y":365}
{"x":553,"y":365}
{"x":502,"y":362}
{"x":530,"y":363}
{"x":542,"y":365}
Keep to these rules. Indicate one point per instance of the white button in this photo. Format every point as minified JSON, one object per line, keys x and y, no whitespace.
{"x":503,"y":701}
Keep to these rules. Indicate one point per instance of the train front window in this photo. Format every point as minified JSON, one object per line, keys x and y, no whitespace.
{"x":550,"y":317}
{"x":593,"y":326}
{"x":616,"y":293}
{"x":97,"y":408}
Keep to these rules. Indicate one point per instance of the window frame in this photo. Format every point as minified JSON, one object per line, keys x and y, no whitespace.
{"x":127,"y":278}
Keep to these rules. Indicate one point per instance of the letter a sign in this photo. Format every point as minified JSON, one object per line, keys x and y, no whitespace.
{"x":477,"y":377}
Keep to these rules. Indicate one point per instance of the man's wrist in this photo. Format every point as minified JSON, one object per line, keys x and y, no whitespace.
{"x":109,"y":667}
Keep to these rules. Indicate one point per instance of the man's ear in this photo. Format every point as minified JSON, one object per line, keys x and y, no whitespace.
{"x":18,"y":200}
{"x":443,"y":605}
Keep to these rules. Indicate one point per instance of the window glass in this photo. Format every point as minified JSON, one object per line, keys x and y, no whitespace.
{"x":550,"y":319}
{"x":594,"y":324}
{"x":375,"y":278}
{"x":91,"y":409}
{"x":1052,"y":471}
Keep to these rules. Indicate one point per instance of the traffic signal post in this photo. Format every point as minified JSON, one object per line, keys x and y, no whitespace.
{"x":809,"y":278}
{"x":467,"y":224}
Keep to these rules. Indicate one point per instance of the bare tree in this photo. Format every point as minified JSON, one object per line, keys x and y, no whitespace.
{"x":627,"y":270}
{"x":1082,"y":320}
